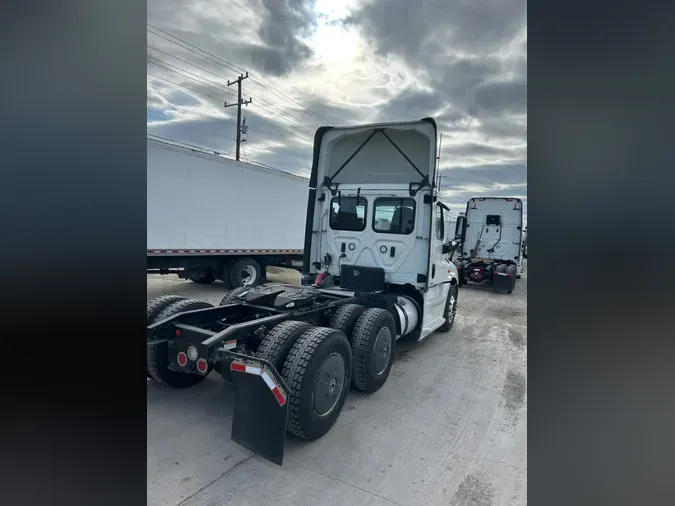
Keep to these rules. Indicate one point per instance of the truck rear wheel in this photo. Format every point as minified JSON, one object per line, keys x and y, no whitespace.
{"x":245,"y":272}
{"x":450,"y":309}
{"x":278,"y":342}
{"x":345,"y":318}
{"x":373,"y":342}
{"x":156,"y":306}
{"x":158,"y":354}
{"x":233,"y":295}
{"x":317,"y":372}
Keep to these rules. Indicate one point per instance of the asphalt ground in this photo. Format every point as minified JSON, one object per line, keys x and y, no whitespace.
{"x":448,"y":428}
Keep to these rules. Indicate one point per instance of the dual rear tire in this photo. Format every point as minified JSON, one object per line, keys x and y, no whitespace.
{"x":318,"y":364}
{"x":157,"y":360}
{"x":372,"y":334}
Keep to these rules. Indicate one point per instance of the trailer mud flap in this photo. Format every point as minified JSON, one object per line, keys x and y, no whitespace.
{"x":260,"y":407}
{"x":501,"y":282}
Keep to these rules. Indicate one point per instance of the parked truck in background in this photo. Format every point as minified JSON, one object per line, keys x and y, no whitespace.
{"x":376,"y":268}
{"x":212,"y":218}
{"x":492,"y":242}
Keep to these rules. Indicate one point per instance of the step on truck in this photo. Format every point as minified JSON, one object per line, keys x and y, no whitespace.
{"x":376,"y":268}
{"x":491,"y":235}
{"x":212,"y":218}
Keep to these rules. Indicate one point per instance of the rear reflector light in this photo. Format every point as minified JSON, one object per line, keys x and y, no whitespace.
{"x":238,"y":367}
{"x":202,"y":366}
{"x":182,"y":359}
{"x":177,"y":332}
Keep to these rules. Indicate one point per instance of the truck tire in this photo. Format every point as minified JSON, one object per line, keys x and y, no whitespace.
{"x":225,"y":275}
{"x":345,"y":318}
{"x":373,"y":341}
{"x":317,"y":372}
{"x":233,"y":295}
{"x":156,"y":306}
{"x":158,"y":354}
{"x":500,"y":268}
{"x":278,"y":342}
{"x":245,"y":272}
{"x":512,"y":270}
{"x":450,"y":309}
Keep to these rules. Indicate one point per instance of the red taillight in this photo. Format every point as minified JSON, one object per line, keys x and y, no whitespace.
{"x":202,"y":366}
{"x":182,"y":359}
{"x":177,"y":332}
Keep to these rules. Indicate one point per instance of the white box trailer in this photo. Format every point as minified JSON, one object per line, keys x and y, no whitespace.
{"x":211,"y":217}
{"x":492,"y":242}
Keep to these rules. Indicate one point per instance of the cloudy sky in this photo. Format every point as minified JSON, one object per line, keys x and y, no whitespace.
{"x":343,"y":62}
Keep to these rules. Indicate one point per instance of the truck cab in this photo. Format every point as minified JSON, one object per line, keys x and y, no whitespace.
{"x":492,"y":242}
{"x":375,"y":222}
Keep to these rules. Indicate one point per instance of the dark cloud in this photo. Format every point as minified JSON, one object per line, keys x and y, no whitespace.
{"x":502,"y":97}
{"x":281,"y":26}
{"x":420,"y":30}
{"x":411,"y":105}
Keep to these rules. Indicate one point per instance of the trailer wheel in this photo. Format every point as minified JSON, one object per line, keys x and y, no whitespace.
{"x":156,"y":306}
{"x":373,"y":341}
{"x":158,"y":354}
{"x":345,"y":318}
{"x":317,"y":371}
{"x":245,"y":272}
{"x":278,"y":342}
{"x":450,"y":309}
{"x":233,"y":295}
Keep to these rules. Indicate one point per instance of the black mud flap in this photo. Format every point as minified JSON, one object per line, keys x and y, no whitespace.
{"x":260,"y":407}
{"x":501,"y":282}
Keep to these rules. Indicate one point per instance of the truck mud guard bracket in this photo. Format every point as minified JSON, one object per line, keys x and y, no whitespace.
{"x":260,"y":407}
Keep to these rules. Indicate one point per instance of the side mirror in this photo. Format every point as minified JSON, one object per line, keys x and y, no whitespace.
{"x":460,"y":229}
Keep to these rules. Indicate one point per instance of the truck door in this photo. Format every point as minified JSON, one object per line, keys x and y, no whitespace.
{"x":439,"y":272}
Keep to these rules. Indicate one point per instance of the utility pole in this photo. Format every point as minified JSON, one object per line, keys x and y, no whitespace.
{"x":239,"y":103}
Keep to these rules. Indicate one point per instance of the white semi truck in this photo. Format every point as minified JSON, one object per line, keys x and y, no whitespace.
{"x":210,"y":217}
{"x":492,"y":242}
{"x":376,"y":268}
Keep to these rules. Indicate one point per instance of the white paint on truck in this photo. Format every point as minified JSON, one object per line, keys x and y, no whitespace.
{"x":489,"y":240}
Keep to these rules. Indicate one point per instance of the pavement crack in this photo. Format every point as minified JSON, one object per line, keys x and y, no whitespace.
{"x":222,"y":475}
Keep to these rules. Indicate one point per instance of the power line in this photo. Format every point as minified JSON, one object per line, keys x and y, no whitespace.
{"x":183,"y":86}
{"x":173,"y":141}
{"x":162,"y":64}
{"x":270,"y":106}
{"x":274,"y":126}
{"x":231,"y":66}
{"x":210,"y":132}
